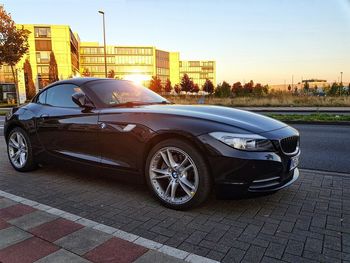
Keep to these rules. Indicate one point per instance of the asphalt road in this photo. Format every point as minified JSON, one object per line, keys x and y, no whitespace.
{"x":324,"y":147}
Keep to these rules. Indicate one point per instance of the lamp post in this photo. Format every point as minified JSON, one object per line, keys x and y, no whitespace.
{"x":341,"y":82}
{"x":104,"y":40}
{"x":341,"y":77}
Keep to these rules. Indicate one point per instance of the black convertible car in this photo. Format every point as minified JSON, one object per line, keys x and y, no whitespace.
{"x":182,"y":151}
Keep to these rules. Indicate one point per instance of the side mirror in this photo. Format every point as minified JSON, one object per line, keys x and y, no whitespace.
{"x":82,"y":101}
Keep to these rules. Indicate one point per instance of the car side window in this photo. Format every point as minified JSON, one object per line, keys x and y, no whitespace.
{"x":61,"y":95}
{"x":41,"y":98}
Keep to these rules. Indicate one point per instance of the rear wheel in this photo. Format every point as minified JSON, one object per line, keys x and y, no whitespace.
{"x":177,"y":174}
{"x":19,"y":150}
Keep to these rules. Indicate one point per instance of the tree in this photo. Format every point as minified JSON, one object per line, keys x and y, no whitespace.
{"x":333,"y":90}
{"x":223,"y":90}
{"x":177,"y":88}
{"x":248,"y":87}
{"x":306,"y":86}
{"x":289,"y":87}
{"x":237,"y":89}
{"x":195,"y":88}
{"x":13,"y":44}
{"x":53,"y":70}
{"x":86,"y":72}
{"x":258,"y":90}
{"x":186,"y":83}
{"x":208,"y":86}
{"x":111,"y":74}
{"x":28,"y":76}
{"x":168,"y":87}
{"x":156,"y":84}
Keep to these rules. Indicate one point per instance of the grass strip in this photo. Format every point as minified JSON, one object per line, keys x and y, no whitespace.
{"x":314,"y":117}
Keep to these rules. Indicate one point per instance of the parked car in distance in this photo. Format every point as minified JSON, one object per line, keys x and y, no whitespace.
{"x":182,"y":151}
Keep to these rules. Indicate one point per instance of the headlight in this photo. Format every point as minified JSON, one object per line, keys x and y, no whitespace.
{"x":246,"y":142}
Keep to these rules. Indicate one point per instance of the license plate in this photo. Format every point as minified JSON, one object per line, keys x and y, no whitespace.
{"x":294,"y":161}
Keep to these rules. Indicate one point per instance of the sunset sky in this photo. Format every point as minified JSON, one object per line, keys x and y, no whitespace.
{"x":267,"y":41}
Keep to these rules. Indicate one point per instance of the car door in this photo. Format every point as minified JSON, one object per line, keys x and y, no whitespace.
{"x":122,"y":139}
{"x":64,"y":129}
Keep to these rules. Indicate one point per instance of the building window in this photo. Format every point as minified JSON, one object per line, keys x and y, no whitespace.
{"x":43,"y":70}
{"x":42,"y":32}
{"x":42,"y":57}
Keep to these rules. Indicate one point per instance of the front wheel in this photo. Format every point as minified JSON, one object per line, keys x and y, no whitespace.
{"x":19,"y":150}
{"x":177,"y":174}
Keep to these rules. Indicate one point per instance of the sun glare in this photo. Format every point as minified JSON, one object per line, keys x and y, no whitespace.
{"x":137,"y":78}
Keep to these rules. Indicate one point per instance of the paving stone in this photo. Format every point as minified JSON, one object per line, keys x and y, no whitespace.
{"x":32,"y":220}
{"x":156,"y":257}
{"x":173,"y":252}
{"x":56,"y":229}
{"x":148,"y":243}
{"x":3,"y":224}
{"x":215,"y":255}
{"x":115,"y":250}
{"x":15,"y":211}
{"x":314,"y":245}
{"x":295,"y":247}
{"x":12,"y":235}
{"x":234,"y":255}
{"x":83,"y":240}
{"x":4,"y":202}
{"x":332,"y":242}
{"x":62,"y":256}
{"x":267,"y":259}
{"x":275,"y":250}
{"x":27,"y":251}
{"x":254,"y":254}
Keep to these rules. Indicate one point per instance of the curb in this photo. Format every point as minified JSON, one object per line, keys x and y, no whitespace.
{"x":325,"y":173}
{"x":341,"y":123}
{"x":170,"y":251}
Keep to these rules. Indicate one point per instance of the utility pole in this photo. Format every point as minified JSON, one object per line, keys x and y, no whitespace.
{"x":104,"y":40}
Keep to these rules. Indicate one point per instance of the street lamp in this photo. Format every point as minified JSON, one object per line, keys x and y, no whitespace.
{"x":104,"y":40}
{"x":341,"y":77}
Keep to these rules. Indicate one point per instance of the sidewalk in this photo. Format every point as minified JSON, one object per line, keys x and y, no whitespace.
{"x":34,"y":232}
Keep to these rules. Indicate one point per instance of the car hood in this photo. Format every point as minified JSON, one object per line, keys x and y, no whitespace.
{"x":246,"y":120}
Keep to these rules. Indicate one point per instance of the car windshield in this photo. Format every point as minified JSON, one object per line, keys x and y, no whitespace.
{"x":114,"y":93}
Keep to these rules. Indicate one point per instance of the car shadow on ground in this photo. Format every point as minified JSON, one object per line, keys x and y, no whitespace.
{"x":136,"y":183}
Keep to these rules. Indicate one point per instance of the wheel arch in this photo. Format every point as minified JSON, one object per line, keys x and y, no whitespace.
{"x":189,"y":138}
{"x":10,"y":127}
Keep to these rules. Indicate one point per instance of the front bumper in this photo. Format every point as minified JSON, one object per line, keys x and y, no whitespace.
{"x":249,"y":171}
{"x":258,"y":186}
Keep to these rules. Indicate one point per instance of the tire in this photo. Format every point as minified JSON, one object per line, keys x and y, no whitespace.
{"x":186,"y":172}
{"x":27,"y":162}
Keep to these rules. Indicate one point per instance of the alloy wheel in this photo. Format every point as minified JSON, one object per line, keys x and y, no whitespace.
{"x":173,"y":175}
{"x":18,"y":150}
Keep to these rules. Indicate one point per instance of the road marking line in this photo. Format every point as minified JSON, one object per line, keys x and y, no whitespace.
{"x":171,"y":251}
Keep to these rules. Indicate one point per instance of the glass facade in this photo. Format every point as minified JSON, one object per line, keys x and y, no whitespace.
{"x":162,"y":65}
{"x":125,"y":61}
{"x":145,"y":62}
{"x":199,"y":71}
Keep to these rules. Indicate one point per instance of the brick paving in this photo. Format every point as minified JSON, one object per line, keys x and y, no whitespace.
{"x":46,"y":237}
{"x":307,"y":222}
